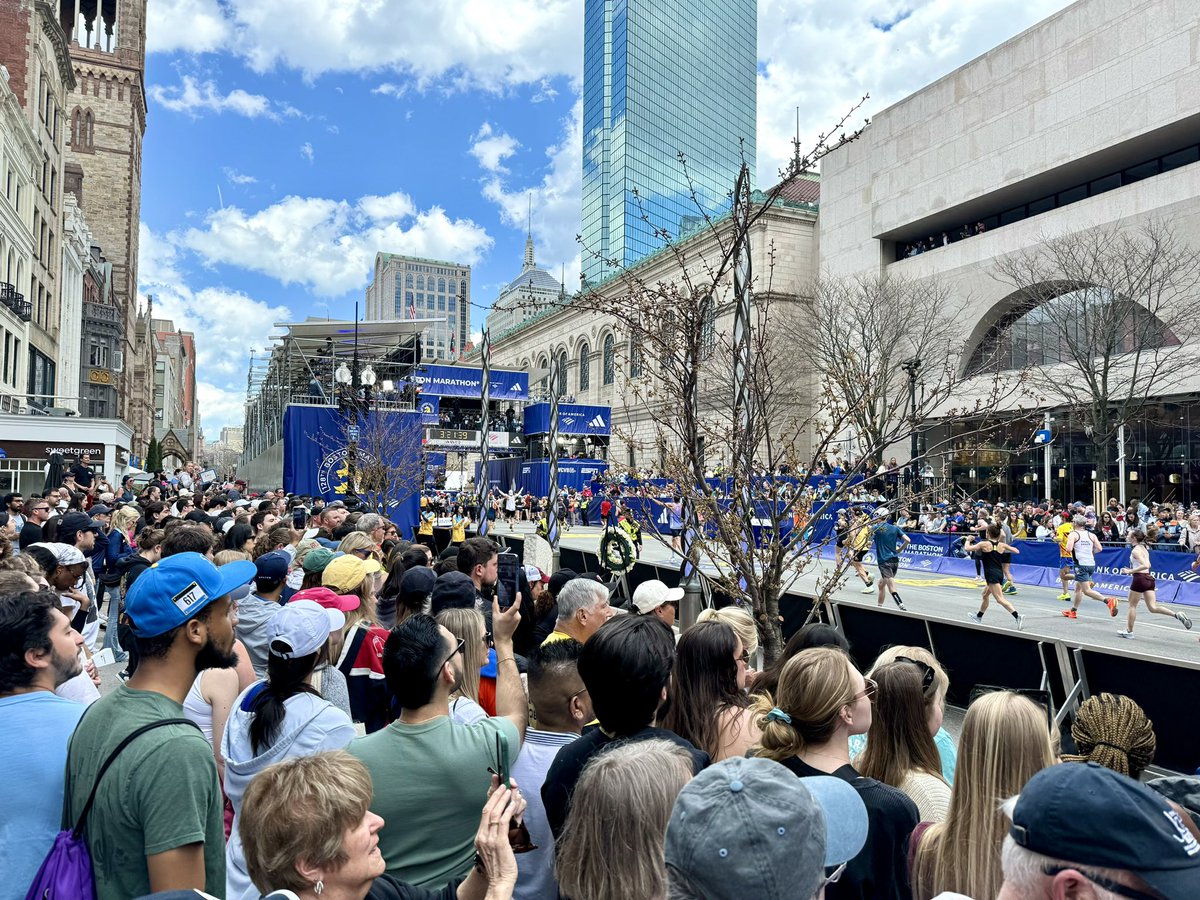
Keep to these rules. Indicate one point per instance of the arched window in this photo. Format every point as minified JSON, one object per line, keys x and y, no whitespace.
{"x":441,"y":285}
{"x":1071,"y":328}
{"x":408,"y":280}
{"x":610,"y":361}
{"x":452,"y":286}
{"x":562,"y":373}
{"x":76,"y":116}
{"x":420,"y":282}
{"x":636,"y":367}
{"x":585,"y":367}
{"x":89,"y":130}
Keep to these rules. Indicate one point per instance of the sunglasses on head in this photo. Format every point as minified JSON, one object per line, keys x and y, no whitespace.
{"x":926,"y":670}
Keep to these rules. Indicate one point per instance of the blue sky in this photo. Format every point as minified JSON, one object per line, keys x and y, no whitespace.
{"x":287,"y":143}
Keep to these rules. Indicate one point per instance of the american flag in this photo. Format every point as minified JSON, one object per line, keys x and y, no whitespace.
{"x":452,"y":343}
{"x":412,"y":309}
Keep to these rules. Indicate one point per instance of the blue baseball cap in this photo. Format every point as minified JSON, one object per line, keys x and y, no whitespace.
{"x":1058,"y":812}
{"x":272,"y":566}
{"x":175,"y":589}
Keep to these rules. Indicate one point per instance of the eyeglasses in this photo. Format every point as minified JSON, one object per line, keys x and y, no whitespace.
{"x":1107,"y":883}
{"x":744,"y":658}
{"x":834,"y":876}
{"x":457,"y":650}
{"x":927,"y":673}
{"x":362,"y":553}
{"x":576,"y":694}
{"x":869,"y":691}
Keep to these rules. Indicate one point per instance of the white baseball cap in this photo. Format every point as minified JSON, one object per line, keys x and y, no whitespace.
{"x":301,"y":628}
{"x":650,"y":595}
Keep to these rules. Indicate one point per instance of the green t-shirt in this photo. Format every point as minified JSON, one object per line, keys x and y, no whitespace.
{"x":431,"y":782}
{"x":161,"y":793}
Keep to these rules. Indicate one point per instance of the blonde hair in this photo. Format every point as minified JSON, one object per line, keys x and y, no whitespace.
{"x":1004,"y":743}
{"x":941,"y":681}
{"x":301,"y":809}
{"x":467,"y":625}
{"x":739,"y":620}
{"x":124,"y":517}
{"x":612,"y":843}
{"x":899,"y":742}
{"x":223,"y":557}
{"x":814,"y":686}
{"x":357,"y":540}
{"x":1112,"y":730}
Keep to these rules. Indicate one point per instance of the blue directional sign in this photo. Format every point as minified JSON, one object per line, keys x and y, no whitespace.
{"x":1042,"y":437}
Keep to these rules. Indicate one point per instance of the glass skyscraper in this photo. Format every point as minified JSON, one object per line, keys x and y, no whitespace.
{"x":661,"y":78}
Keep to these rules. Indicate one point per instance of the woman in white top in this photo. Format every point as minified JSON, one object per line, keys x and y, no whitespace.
{"x":208,"y":703}
{"x":900,"y":749}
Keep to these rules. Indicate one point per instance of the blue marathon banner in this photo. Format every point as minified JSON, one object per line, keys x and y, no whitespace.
{"x":504,"y":474}
{"x":573,"y":418}
{"x":429,"y":407}
{"x":572,"y":473}
{"x":435,"y":466}
{"x":315,"y":453}
{"x":460,"y":381}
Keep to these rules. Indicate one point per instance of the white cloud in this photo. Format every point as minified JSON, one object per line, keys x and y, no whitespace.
{"x":330,"y":245}
{"x":556,"y":199}
{"x":306,"y":150}
{"x":229,"y":325}
{"x":823,"y":56}
{"x":491,"y":147}
{"x":195,"y":97}
{"x":193,"y":26}
{"x":388,"y":89}
{"x":470,"y":43}
{"x":236,"y":177}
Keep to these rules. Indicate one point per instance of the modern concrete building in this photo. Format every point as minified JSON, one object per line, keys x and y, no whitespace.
{"x":1089,"y":119}
{"x":600,"y":356}
{"x":661,"y":79}
{"x":525,"y":296}
{"x":408,"y":287}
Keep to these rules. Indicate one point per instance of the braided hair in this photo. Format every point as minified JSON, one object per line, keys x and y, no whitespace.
{"x":1112,"y":730}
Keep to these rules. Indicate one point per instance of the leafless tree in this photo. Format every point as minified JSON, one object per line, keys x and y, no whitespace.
{"x":1107,"y":319}
{"x":383,"y":460}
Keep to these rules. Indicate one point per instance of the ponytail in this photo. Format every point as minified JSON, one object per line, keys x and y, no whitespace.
{"x":285,"y":678}
{"x":778,"y":739}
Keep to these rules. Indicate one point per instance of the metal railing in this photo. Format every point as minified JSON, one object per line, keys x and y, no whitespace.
{"x":15,"y":301}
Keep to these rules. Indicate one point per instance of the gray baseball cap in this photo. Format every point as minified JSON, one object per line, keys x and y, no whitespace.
{"x":750,"y":828}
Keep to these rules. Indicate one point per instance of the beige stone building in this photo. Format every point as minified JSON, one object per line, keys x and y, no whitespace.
{"x":105,"y":124}
{"x":1091,"y":118}
{"x":409,"y":287}
{"x":598,"y":354}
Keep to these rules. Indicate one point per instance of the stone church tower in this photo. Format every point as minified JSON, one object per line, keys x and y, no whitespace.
{"x":106,"y":119}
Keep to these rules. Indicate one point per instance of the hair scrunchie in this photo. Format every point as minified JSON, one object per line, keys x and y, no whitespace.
{"x":778,"y":715}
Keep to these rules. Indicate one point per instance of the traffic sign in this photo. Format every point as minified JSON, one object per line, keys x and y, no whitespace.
{"x":1042,"y":437}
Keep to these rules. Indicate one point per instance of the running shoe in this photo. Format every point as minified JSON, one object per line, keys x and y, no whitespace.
{"x":1064,"y":596}
{"x":1111,"y":603}
{"x":900,"y":604}
{"x":977,"y":618}
{"x":1070,"y":614}
{"x":979,"y":579}
{"x":867,"y":590}
{"x":1125,"y":634}
{"x":1184,"y":620}
{"x":1020,"y":622}
{"x":1009,"y":588}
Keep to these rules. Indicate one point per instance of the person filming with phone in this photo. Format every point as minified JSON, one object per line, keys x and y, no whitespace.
{"x":431,"y":774}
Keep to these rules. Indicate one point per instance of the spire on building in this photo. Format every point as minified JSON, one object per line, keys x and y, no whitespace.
{"x":529,"y":235}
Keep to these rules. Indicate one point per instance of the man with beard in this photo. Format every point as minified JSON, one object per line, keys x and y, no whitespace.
{"x":431,"y":773}
{"x":39,"y":651}
{"x":156,"y":823}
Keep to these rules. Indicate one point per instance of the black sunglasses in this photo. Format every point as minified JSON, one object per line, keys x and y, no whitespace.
{"x":457,"y":650}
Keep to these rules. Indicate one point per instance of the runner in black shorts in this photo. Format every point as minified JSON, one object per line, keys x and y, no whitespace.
{"x":991,"y":553}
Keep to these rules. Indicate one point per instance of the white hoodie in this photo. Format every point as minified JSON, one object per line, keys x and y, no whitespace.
{"x":310,"y":725}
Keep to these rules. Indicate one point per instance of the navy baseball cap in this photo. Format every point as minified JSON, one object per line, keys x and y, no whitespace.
{"x":175,"y":589}
{"x":272,"y":566}
{"x":1057,"y":813}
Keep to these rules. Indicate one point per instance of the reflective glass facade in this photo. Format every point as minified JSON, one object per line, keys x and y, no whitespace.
{"x":661,"y":78}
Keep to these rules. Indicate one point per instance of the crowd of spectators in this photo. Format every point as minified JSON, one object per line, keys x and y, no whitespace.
{"x":315,"y":708}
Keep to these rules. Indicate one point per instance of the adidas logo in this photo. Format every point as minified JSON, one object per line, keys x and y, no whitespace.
{"x":597,"y":422}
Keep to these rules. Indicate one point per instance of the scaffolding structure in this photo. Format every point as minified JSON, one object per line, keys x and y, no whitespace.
{"x":332,"y":363}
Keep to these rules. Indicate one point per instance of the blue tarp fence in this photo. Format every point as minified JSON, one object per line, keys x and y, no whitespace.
{"x":315,"y":450}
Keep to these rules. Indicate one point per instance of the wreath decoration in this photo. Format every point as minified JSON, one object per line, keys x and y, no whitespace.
{"x":617,"y":552}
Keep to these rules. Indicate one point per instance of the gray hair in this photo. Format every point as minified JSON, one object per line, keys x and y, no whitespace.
{"x":577,"y":594}
{"x":1079,"y":519}
{"x":368,"y":522}
{"x":612,"y":843}
{"x":1026,"y":870}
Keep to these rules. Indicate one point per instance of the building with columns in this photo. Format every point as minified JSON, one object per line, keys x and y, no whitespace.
{"x":1089,"y":119}
{"x":599,"y":356}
